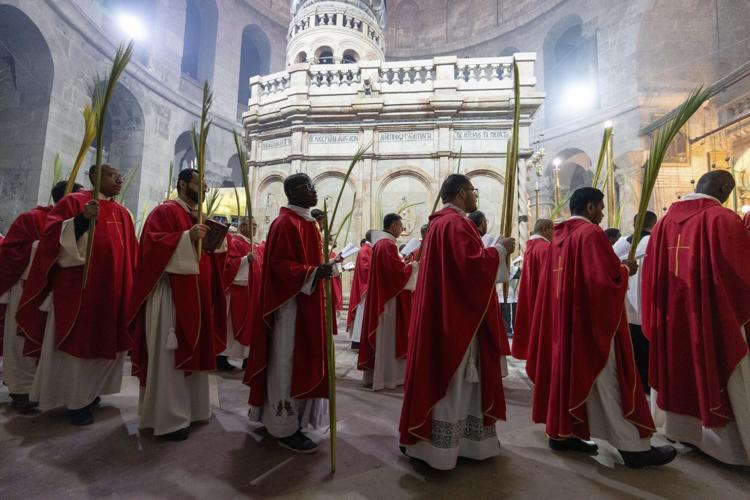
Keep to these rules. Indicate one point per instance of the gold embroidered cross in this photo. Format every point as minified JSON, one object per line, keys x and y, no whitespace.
{"x":559,"y":276}
{"x":677,"y":249}
{"x":117,"y":229}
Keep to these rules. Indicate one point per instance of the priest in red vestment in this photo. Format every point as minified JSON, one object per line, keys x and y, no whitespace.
{"x":178,"y":315}
{"x":453,"y":392}
{"x":358,"y":290}
{"x":16,"y":255}
{"x":695,"y":312}
{"x":533,"y":262}
{"x":594,"y":389}
{"x":287,"y":367}
{"x":385,"y":326}
{"x":242,"y":282}
{"x":83,"y":344}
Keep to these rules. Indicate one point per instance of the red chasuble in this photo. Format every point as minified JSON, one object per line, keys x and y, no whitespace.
{"x":292,"y":253}
{"x":359,"y":282}
{"x":533,"y":260}
{"x":15,"y":254}
{"x":199,"y":301}
{"x":243,"y":299}
{"x":584,"y":309}
{"x":90,"y":322}
{"x":337,"y":289}
{"x":388,"y":277}
{"x":696,"y":296}
{"x":455,"y":300}
{"x":746,"y":220}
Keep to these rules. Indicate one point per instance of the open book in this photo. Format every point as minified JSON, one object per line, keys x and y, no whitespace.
{"x":216,"y":234}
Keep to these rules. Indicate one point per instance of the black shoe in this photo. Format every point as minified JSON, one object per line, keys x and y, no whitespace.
{"x":655,"y":456}
{"x":95,"y":403}
{"x":81,"y":417}
{"x":21,"y":403}
{"x":244,"y":364}
{"x":178,"y":435}
{"x":355,"y":346}
{"x":223,"y":364}
{"x":298,"y":443}
{"x":573,"y":444}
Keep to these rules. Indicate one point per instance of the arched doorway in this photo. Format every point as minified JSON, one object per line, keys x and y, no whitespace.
{"x":491,"y":189}
{"x":199,"y":40}
{"x":407,"y":193}
{"x":27,"y":73}
{"x":575,"y":172}
{"x":254,"y":60}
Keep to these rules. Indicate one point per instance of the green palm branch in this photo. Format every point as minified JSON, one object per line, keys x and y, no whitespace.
{"x":213,"y":198}
{"x":602,"y":153}
{"x":659,"y":145}
{"x":242,"y":157}
{"x":90,"y":114}
{"x":199,"y":138}
{"x":101,"y":98}
{"x":121,"y":197}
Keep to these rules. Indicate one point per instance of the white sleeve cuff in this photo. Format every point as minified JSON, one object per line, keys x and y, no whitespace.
{"x":72,"y":251}
{"x":184,"y":259}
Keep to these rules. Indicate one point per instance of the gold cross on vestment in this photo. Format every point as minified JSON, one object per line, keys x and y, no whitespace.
{"x":115,"y":221}
{"x":559,"y":276}
{"x":677,"y":249}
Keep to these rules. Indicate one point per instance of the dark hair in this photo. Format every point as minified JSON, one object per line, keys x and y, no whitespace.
{"x":452,"y":185}
{"x":185,"y":175}
{"x":317,"y":214}
{"x":362,"y":241}
{"x":58,"y":190}
{"x":477,"y":216}
{"x":368,"y":235}
{"x":649,"y":220}
{"x":295,"y":180}
{"x":389,"y":220}
{"x":612,"y":232}
{"x":423,"y":229}
{"x":582,"y":197}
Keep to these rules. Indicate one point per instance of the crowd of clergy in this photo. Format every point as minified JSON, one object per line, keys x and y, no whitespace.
{"x":616,"y":342}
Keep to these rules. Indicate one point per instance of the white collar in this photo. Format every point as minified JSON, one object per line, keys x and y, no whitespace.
{"x":698,"y":196}
{"x":538,"y":237}
{"x":460,"y":210}
{"x":376,"y":236}
{"x":302,"y":212}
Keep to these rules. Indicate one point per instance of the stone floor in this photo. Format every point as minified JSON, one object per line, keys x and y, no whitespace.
{"x":41,"y":456}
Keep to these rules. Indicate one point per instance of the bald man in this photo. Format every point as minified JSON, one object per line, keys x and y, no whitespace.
{"x":695,"y":312}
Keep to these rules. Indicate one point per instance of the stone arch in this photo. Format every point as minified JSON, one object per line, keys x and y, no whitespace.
{"x":570,"y":70}
{"x":575,"y":170}
{"x":301,"y":57}
{"x":235,"y":169}
{"x":199,"y":39}
{"x":491,"y":185}
{"x":324,"y":55}
{"x":270,"y":198}
{"x":328,"y":185}
{"x":408,"y":24}
{"x":408,"y":191}
{"x":255,"y":57}
{"x":350,"y":56}
{"x":184,"y":154}
{"x":122,"y":140}
{"x":25,"y":90}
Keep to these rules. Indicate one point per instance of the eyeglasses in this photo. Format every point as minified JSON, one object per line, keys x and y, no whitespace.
{"x":473,"y":190}
{"x":307,"y":186}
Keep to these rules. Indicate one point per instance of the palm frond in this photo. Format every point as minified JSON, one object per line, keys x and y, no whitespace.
{"x":169,"y":181}
{"x":100,"y":100}
{"x":90,"y":114}
{"x":355,"y":159}
{"x":213,"y":198}
{"x":557,"y":209}
{"x":659,"y":145}
{"x":242,"y":157}
{"x":57,"y":174}
{"x":511,"y":162}
{"x":347,"y":219}
{"x":602,"y":153}
{"x":330,"y":317}
{"x":237,"y":201}
{"x":199,"y":138}
{"x":121,"y":197}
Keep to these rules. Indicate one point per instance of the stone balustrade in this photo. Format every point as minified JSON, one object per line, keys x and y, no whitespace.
{"x":444,"y":80}
{"x":335,"y":19}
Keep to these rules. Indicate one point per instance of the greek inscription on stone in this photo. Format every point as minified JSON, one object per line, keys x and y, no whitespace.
{"x":405,"y":136}
{"x":276,"y":143}
{"x":332,"y":138}
{"x":479,"y":135}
